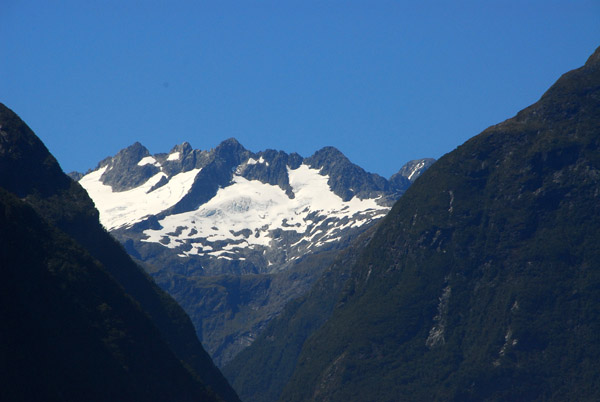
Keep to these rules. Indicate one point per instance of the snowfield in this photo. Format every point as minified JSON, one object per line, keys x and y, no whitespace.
{"x":246,"y":212}
{"x":241,"y":215}
{"x":124,"y":208}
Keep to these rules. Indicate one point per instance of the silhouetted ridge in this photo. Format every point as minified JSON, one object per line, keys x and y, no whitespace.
{"x":70,"y":333}
{"x":64,"y":204}
{"x":482,"y":283}
{"x":25,"y":162}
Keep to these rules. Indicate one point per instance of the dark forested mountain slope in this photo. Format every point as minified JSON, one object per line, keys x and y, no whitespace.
{"x":277,"y":348}
{"x":69,"y":331}
{"x":29,"y":171}
{"x":483,"y":282}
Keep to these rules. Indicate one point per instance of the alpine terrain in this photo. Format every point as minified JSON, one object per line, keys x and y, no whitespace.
{"x":82,"y":321}
{"x":233,"y":235}
{"x":481,"y":284}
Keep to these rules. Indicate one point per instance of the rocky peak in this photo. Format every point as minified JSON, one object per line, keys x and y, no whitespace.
{"x":230,"y":152}
{"x":184,"y":148}
{"x":218,"y":168}
{"x":130,"y":168}
{"x":75,"y":175}
{"x":183,"y":158}
{"x":270,"y":167}
{"x":345,"y":178}
{"x":294,"y":160}
{"x":413,"y":169}
{"x":135,"y":151}
{"x":327,"y":156}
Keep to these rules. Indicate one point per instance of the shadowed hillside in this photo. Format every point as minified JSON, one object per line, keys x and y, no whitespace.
{"x":29,"y":171}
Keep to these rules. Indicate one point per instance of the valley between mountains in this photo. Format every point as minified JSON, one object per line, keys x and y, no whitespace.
{"x":309,"y":279}
{"x":234,"y":235}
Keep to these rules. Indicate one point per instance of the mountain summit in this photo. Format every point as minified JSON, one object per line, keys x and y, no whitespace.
{"x":192,"y":214}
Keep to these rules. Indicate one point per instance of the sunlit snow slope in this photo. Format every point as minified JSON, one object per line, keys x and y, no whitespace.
{"x":124,"y":208}
{"x":248,"y":212}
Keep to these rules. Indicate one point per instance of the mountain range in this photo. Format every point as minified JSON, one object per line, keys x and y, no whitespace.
{"x":233,"y":235}
{"x":481,"y":284}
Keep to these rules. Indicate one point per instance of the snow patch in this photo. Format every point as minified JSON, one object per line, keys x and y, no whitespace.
{"x":252,"y":161}
{"x":174,"y":156}
{"x":416,"y":169}
{"x":148,"y":160}
{"x":119,"y":209}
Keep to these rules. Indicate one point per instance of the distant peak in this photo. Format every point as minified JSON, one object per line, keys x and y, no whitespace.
{"x":230,"y":145}
{"x":135,"y":145}
{"x":329,"y":150}
{"x":410,"y":172}
{"x":328,"y":153}
{"x":134,"y":149}
{"x":327,"y":157}
{"x":184,"y":148}
{"x":230,"y":142}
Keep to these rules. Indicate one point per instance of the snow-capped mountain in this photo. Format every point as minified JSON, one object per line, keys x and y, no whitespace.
{"x":228,"y":211}
{"x":230,"y":204}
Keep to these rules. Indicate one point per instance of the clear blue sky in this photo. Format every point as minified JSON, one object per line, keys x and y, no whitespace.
{"x":383,"y":81}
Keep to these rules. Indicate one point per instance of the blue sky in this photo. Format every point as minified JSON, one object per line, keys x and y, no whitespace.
{"x":383,"y":81}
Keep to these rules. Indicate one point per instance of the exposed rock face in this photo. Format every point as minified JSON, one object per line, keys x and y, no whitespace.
{"x":135,"y":160}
